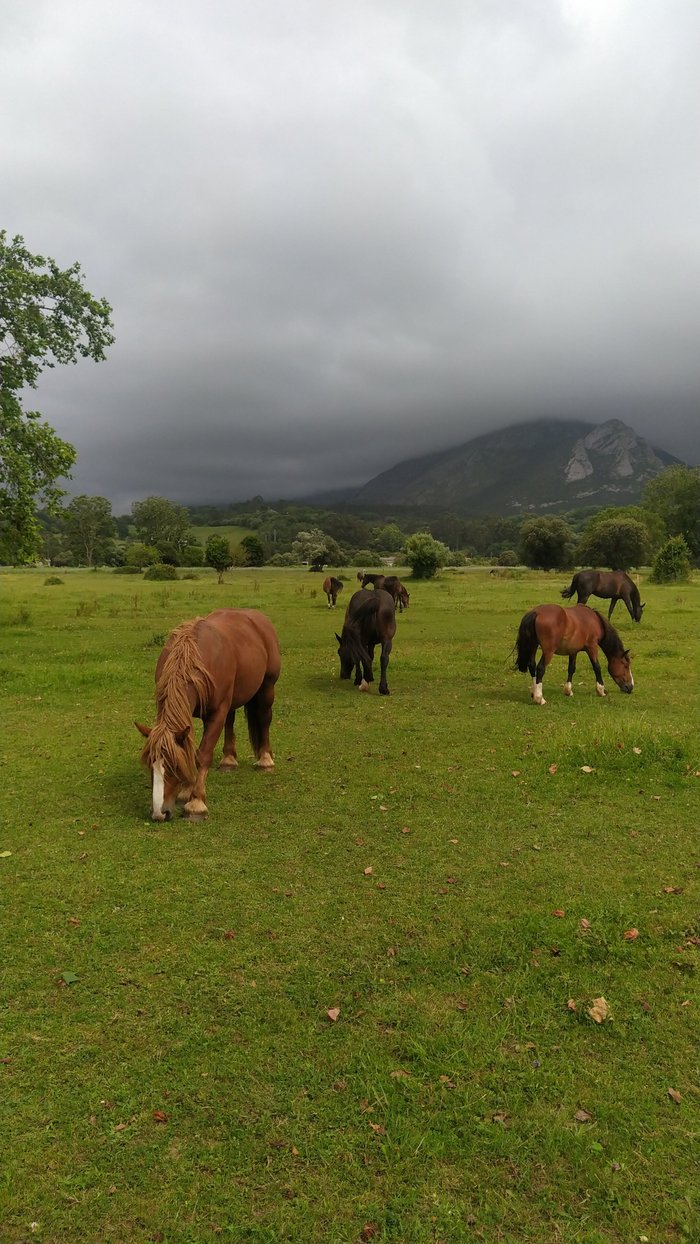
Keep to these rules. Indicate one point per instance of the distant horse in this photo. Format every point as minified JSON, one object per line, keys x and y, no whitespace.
{"x":567,"y":632}
{"x":370,"y":619}
{"x":395,"y":588}
{"x":332,"y":587}
{"x":374,"y":580}
{"x":208,"y":668}
{"x":606,"y":584}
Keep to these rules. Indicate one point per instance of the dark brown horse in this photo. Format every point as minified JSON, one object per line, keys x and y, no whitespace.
{"x":375,"y":579}
{"x":332,"y":587}
{"x":567,"y":632}
{"x":208,"y":668}
{"x":370,"y":619}
{"x":393,"y":585}
{"x":606,"y":584}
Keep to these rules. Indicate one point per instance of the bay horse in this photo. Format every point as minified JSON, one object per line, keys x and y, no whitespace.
{"x":376,"y":579}
{"x":370,"y":619}
{"x":606,"y":584}
{"x":395,"y":588}
{"x":566,"y":632}
{"x":208,"y":668}
{"x":332,"y":587}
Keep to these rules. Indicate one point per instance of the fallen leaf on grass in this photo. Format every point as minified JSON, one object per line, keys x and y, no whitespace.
{"x":400,"y":1074}
{"x":368,"y":1232}
{"x":559,"y":911}
{"x":383,"y":807}
{"x":5,"y":855}
{"x":68,"y":978}
{"x":391,"y":952}
{"x":405,"y":830}
{"x":229,"y":935}
{"x":381,"y":885}
{"x":631,"y":935}
{"x":675,"y":1095}
{"x":295,"y":1152}
{"x":74,"y":921}
{"x":515,"y":773}
{"x":673,"y":889}
{"x":377,"y":1128}
{"x":583,"y":1116}
{"x":159,"y":1116}
{"x":584,"y":925}
{"x":500,"y":1116}
{"x":367,"y":872}
{"x":333,"y":1013}
{"x":571,"y":1005}
{"x":447,"y":1082}
{"x":552,"y":769}
{"x":121,"y":1127}
{"x":599,"y":1011}
{"x":637,"y":751}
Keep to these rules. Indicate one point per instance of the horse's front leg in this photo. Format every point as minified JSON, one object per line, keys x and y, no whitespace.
{"x":613,"y":603}
{"x":229,"y":760}
{"x":593,"y":658}
{"x":568,"y":689}
{"x":539,"y":675}
{"x":383,"y":665}
{"x":196,"y":807}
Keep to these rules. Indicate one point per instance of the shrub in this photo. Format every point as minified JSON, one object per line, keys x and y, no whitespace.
{"x":547,"y":544}
{"x":218,"y":555}
{"x":51,"y":580}
{"x":425,"y":555}
{"x":161,"y":571}
{"x":127,"y":570}
{"x":362,"y":558}
{"x":283,"y":559}
{"x":141,"y":555}
{"x":508,"y":557}
{"x":672,"y":562}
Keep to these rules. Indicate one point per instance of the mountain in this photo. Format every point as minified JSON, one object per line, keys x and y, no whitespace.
{"x":546,"y":464}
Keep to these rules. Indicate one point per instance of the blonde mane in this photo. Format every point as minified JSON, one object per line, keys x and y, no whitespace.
{"x":182,"y":668}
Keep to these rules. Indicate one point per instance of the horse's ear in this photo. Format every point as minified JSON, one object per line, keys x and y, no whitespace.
{"x":338,"y":637}
{"x":182,"y":736}
{"x":642,"y":606}
{"x":626,"y":653}
{"x":144,"y":730}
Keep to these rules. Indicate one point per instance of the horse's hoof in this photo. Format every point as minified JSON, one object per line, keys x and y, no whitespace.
{"x":384,"y":691}
{"x":567,"y":689}
{"x":364,"y":685}
{"x":600,"y":689}
{"x":195,"y":810}
{"x":228,"y":766}
{"x":265,"y":762}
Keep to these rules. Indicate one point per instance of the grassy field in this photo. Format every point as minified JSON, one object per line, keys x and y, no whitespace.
{"x":230,"y":531}
{"x":168,"y":1068}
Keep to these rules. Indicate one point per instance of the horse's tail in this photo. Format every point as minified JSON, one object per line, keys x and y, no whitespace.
{"x":570,"y":591}
{"x":526,"y":642}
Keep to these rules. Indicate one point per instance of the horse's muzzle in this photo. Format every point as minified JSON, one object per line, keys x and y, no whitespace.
{"x":626,"y":688}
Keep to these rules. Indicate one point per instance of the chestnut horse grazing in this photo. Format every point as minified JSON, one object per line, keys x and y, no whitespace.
{"x":332,"y":587}
{"x":208,"y":668}
{"x":606,"y":584}
{"x":567,"y":632}
{"x":370,"y":619}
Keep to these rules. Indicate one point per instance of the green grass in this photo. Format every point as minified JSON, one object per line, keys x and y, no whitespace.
{"x":232,"y":533}
{"x":441,"y":1104}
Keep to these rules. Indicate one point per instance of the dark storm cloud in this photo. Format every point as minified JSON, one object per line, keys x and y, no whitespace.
{"x":338,"y":235}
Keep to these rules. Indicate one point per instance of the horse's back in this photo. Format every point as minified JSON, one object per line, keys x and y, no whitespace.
{"x":243,"y":637}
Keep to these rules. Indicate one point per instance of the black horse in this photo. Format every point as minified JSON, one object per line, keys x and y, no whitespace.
{"x":370,"y":619}
{"x":393,"y":585}
{"x":375,"y":579}
{"x":606,"y":584}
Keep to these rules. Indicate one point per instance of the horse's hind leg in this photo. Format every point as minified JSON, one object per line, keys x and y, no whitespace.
{"x":229,"y":760}
{"x":383,"y":665}
{"x":259,"y":715}
{"x":539,"y":675}
{"x":568,"y":689}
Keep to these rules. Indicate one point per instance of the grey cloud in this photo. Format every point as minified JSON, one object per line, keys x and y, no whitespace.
{"x":335,"y":236}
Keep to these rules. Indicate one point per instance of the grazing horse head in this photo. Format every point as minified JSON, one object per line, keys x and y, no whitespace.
{"x":638,"y":612}
{"x":351,"y":651}
{"x":171,"y":757}
{"x":621,"y":671}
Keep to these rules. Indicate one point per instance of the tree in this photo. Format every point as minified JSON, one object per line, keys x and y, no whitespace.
{"x":616,"y":542}
{"x":161,"y":522}
{"x":672,"y":562}
{"x":674,"y":497}
{"x":656,"y":531}
{"x":254,"y":550}
{"x":546,"y":544}
{"x":318,"y":549}
{"x":425,"y":555}
{"x":141,"y":555}
{"x":388,"y":539}
{"x":218,"y":555}
{"x":89,"y":524}
{"x":46,"y":317}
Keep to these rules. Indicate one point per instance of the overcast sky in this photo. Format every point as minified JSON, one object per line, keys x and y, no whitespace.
{"x":339,"y":233}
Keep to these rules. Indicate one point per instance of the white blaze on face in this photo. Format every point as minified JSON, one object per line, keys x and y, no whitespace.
{"x":158,"y":789}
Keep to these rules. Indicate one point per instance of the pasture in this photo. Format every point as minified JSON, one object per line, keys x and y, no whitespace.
{"x":451,"y":869}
